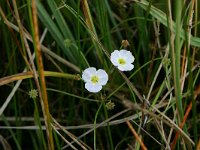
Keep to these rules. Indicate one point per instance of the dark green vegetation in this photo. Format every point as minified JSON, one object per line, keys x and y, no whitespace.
{"x":158,"y":99}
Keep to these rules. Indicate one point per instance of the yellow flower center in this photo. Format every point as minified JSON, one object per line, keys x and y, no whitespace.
{"x":94,"y":79}
{"x":121,"y":61}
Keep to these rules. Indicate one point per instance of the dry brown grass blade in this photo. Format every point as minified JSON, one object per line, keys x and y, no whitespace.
{"x":5,"y":143}
{"x":44,"y":100}
{"x":162,"y":117}
{"x":12,"y":27}
{"x":73,"y":137}
{"x":173,"y":144}
{"x":90,"y":25}
{"x":187,"y":45}
{"x":16,"y":40}
{"x":136,"y":135}
{"x":8,"y":99}
{"x":198,"y":145}
{"x":29,"y":74}
{"x":100,"y":124}
{"x":196,"y":93}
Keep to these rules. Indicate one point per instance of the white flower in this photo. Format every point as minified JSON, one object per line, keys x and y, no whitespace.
{"x":94,"y":79}
{"x":122,"y":59}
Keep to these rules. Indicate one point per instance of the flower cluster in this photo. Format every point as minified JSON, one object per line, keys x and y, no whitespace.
{"x":95,"y":79}
{"x":110,"y":105}
{"x":33,"y":93}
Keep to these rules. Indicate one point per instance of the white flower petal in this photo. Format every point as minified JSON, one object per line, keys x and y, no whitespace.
{"x":93,"y":88}
{"x":103,"y":77}
{"x":116,"y":53}
{"x":122,"y":55}
{"x":121,"y":68}
{"x":94,"y":79}
{"x":101,"y":73}
{"x":90,"y":70}
{"x":127,"y":67}
{"x":129,"y":57}
{"x":87,"y":73}
{"x":123,"y":52}
{"x":86,"y":77}
{"x":114,"y":57}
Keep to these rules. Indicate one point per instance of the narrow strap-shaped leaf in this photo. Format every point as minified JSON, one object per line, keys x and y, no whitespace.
{"x":162,"y":18}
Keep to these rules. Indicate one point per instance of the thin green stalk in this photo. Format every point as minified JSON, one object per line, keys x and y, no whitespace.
{"x":12,"y":133}
{"x":108,"y":127}
{"x":112,"y":19}
{"x":177,"y":56}
{"x":41,"y":136}
{"x":158,"y":93}
{"x":103,"y":23}
{"x":60,"y":32}
{"x":95,"y":122}
{"x":84,"y":110}
{"x":163,"y":18}
{"x":78,"y":31}
{"x":143,"y":32}
{"x":143,"y":66}
{"x":35,"y":144}
{"x":57,"y":141}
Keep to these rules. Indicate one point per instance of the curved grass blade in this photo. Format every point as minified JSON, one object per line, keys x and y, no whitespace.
{"x":61,"y":33}
{"x":162,"y":18}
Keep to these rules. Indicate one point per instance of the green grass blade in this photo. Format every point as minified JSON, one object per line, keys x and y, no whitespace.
{"x":162,"y":18}
{"x":70,"y":49}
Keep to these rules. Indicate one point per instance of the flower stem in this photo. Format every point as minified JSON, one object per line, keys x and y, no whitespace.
{"x":95,"y":121}
{"x":108,"y":126}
